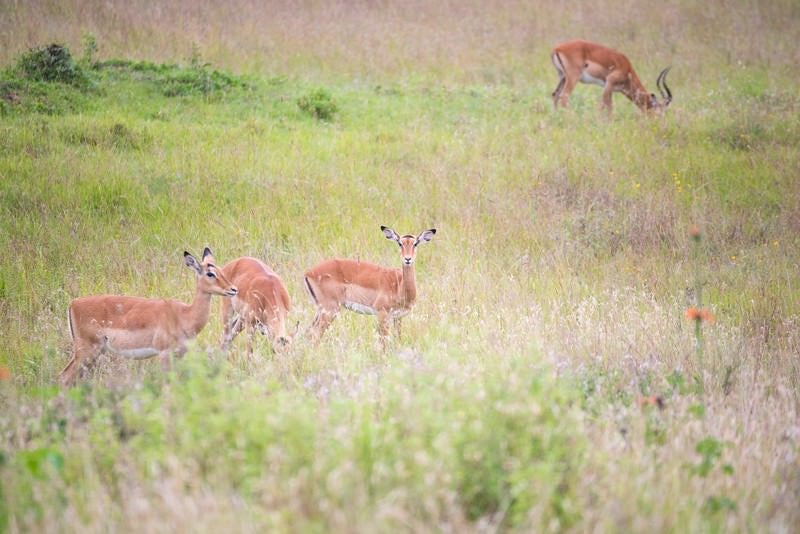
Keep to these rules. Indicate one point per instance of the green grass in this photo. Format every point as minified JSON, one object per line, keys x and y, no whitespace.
{"x":551,"y":301}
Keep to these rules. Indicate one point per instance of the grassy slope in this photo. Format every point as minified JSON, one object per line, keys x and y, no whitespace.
{"x":551,"y":298}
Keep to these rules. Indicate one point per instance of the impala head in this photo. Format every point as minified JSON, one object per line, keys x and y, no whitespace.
{"x":280,"y":342}
{"x":408,"y":243}
{"x":666,"y":95}
{"x":210,"y":278}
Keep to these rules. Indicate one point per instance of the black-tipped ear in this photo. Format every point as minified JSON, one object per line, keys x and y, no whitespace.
{"x":390,"y":234}
{"x":192,"y":262}
{"x":207,"y":252}
{"x":426,"y":236}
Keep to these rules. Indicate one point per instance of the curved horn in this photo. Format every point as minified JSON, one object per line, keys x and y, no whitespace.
{"x":666,"y":94}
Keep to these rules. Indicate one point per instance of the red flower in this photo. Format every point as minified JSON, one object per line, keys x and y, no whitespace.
{"x":700,"y":314}
{"x":5,"y":374}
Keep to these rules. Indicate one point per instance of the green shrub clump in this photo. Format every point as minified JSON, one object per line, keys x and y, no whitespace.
{"x":319,"y":104}
{"x":51,"y":63}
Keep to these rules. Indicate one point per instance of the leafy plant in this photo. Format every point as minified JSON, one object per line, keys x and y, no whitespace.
{"x":319,"y":104}
{"x":51,"y":63}
{"x":710,"y":450}
{"x":89,"y":50}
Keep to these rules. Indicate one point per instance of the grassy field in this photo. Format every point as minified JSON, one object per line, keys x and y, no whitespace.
{"x":548,"y":379}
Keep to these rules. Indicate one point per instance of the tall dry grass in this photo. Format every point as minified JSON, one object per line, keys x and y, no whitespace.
{"x":466,"y":41}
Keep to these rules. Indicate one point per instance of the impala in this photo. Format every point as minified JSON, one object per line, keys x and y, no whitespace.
{"x":261,"y":304}
{"x":582,"y":61}
{"x":365,"y":287}
{"x":140,"y":328}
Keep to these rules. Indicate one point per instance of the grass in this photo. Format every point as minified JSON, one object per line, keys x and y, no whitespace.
{"x":551,"y":302}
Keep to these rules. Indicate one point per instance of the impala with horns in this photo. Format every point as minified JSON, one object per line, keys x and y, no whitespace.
{"x":261,"y":304}
{"x":367,"y":288}
{"x":582,"y":61}
{"x":140,"y":328}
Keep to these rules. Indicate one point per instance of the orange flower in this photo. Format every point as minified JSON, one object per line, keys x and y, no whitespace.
{"x":700,"y":314}
{"x":5,"y":374}
{"x":694,"y":231}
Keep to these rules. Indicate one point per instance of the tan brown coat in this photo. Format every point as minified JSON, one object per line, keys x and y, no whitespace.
{"x":262,"y":304}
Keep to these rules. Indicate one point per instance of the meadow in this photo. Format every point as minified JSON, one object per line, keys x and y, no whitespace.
{"x":547,"y":380}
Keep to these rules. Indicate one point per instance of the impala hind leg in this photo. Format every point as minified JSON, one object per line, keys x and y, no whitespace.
{"x":82,"y":354}
{"x":567,"y":79}
{"x":322,"y":321}
{"x":569,"y":84}
{"x":557,"y":92}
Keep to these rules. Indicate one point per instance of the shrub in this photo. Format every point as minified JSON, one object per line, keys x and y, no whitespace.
{"x":51,"y":63}
{"x":319,"y":104}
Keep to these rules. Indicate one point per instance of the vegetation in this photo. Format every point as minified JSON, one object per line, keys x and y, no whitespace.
{"x":560,"y":371}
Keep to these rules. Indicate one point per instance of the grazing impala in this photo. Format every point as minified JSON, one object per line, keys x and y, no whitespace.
{"x":139,"y":328}
{"x":262,"y":304}
{"x":365,"y":287}
{"x":582,"y":61}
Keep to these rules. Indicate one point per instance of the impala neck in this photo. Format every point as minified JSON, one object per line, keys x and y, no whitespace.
{"x":637,"y":93}
{"x":197,"y":313}
{"x":408,"y":288}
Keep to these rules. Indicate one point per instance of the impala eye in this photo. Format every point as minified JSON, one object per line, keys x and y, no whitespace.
{"x":211,"y":275}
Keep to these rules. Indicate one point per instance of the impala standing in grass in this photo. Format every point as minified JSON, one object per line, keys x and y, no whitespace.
{"x":366,"y":288}
{"x":586,"y":62}
{"x":262,"y":304}
{"x":140,"y":328}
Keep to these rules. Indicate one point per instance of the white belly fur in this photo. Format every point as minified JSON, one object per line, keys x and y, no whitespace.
{"x":139,"y":353}
{"x":396,"y":314}
{"x":135,"y":354}
{"x":587,"y":78}
{"x":359,"y":308}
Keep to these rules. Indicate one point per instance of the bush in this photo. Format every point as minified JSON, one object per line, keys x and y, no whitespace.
{"x":177,"y":80}
{"x":51,"y":63}
{"x":319,"y":104}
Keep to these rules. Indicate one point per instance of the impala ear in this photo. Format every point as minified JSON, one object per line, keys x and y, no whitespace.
{"x":425,"y":236}
{"x":192,"y":262}
{"x":390,"y":234}
{"x":208,"y":257}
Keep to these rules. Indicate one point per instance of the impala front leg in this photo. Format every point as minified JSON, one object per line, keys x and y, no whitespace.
{"x":608,"y":93}
{"x":383,"y":329}
{"x":232,"y":329}
{"x":251,"y":334}
{"x":398,"y":326}
{"x":165,"y":357}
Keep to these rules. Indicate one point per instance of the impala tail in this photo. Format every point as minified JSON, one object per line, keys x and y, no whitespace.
{"x":310,"y":290}
{"x":66,"y":374}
